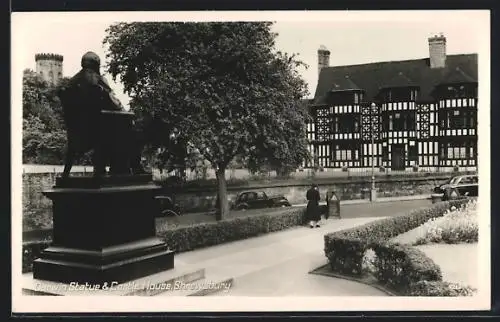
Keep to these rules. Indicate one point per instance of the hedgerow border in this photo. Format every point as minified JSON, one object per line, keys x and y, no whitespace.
{"x":402,"y":269}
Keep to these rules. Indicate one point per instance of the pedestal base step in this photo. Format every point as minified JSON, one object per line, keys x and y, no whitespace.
{"x":116,"y":264}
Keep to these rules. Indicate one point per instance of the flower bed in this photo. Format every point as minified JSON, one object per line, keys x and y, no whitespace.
{"x":398,"y":267}
{"x":457,"y":225}
{"x":196,"y":236}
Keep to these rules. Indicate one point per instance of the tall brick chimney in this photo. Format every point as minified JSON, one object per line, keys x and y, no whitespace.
{"x":323,"y":58}
{"x":437,"y":51}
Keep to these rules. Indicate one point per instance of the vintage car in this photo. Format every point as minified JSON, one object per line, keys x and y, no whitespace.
{"x":167,"y":206}
{"x":254,"y":200}
{"x":459,"y":186}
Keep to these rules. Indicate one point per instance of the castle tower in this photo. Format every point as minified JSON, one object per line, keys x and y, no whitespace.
{"x":49,"y":67}
{"x":437,"y":51}
{"x":323,"y":58}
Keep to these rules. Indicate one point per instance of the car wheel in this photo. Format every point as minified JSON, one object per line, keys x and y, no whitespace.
{"x":169,"y":213}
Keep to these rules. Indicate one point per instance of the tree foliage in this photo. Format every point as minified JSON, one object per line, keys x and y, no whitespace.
{"x":44,"y":134}
{"x":223,"y":87}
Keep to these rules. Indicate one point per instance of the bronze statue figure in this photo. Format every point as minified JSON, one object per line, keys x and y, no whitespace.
{"x":96,"y":121}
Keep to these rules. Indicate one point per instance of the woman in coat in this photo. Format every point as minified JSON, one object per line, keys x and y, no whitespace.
{"x":313,"y":198}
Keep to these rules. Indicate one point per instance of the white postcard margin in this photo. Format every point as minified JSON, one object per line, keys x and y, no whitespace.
{"x":478,"y":20}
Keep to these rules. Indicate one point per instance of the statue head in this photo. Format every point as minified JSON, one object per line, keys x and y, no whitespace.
{"x":91,"y":60}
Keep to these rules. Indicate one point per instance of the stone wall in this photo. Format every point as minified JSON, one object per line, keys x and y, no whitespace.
{"x":201,"y":200}
{"x":37,"y":208}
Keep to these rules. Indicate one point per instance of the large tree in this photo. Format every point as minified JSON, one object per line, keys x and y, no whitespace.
{"x":44,"y":135}
{"x":223,"y":87}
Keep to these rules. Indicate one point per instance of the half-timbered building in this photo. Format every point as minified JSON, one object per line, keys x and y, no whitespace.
{"x":398,"y":115}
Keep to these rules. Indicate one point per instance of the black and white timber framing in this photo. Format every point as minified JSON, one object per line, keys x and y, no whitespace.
{"x":419,"y":114}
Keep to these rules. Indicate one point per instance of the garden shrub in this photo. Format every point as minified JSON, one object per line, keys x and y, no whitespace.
{"x":440,"y":288}
{"x":208,"y":234}
{"x":397,"y":266}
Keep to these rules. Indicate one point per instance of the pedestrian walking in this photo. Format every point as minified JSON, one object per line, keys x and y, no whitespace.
{"x":312,"y":213}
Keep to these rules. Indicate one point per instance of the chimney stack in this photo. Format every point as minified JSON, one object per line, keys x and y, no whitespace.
{"x":437,"y":51}
{"x":323,"y":58}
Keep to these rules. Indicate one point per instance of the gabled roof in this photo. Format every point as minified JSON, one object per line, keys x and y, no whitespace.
{"x":457,"y":76}
{"x":399,"y":80}
{"x":344,"y":84}
{"x":371,"y":77}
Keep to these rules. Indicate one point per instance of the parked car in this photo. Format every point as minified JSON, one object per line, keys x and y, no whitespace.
{"x":254,"y":200}
{"x":167,"y":207}
{"x":459,"y":186}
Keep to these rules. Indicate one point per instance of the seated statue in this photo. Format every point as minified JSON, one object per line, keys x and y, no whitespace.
{"x":96,"y":121}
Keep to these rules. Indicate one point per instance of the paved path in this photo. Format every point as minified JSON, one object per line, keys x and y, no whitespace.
{"x":277,"y":264}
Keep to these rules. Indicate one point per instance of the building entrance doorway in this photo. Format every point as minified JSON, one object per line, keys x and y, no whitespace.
{"x":398,"y":157}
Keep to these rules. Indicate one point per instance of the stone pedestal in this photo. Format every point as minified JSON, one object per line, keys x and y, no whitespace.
{"x":103,"y":231}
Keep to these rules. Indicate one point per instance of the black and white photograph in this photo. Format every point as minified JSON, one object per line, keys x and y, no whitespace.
{"x":250,"y":161}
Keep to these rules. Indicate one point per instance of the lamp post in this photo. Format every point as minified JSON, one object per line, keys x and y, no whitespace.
{"x":373,"y":191}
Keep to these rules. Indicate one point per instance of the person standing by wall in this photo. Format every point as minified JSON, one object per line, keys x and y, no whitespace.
{"x":313,"y":198}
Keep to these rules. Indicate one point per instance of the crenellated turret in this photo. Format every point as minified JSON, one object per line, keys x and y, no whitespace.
{"x":49,"y":67}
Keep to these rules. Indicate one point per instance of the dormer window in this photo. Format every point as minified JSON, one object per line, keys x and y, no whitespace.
{"x":356,"y":98}
{"x":413,"y":95}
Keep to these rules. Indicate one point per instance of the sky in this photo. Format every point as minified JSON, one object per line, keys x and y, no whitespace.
{"x":352,"y":37}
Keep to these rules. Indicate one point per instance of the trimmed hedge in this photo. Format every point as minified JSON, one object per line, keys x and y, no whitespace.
{"x":399,"y":267}
{"x":208,"y":234}
{"x":201,"y":235}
